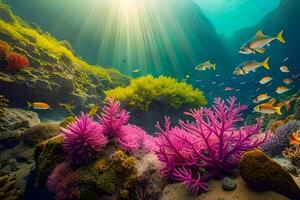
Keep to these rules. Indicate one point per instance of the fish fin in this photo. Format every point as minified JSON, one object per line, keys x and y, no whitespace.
{"x":260,"y":50}
{"x":259,"y":33}
{"x":293,"y":139}
{"x":278,"y":110}
{"x":272,"y":101}
{"x":29,"y":105}
{"x":280,"y":37}
{"x":214,"y":66}
{"x":265,"y":63}
{"x":279,"y":104}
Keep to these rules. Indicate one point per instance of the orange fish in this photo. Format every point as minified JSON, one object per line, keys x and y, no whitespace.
{"x":294,"y":138}
{"x":281,"y":89}
{"x":284,"y":69}
{"x":287,"y":81}
{"x":265,"y":80}
{"x":38,"y":105}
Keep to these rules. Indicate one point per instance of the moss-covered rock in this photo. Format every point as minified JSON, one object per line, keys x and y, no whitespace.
{"x":47,"y":155}
{"x":67,"y":121}
{"x":112,"y":175}
{"x":262,"y":173}
{"x":150,"y":99}
{"x":55,"y":73}
{"x":40,"y":133}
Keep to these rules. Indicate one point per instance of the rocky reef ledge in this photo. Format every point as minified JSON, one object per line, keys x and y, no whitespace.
{"x":54,"y":73}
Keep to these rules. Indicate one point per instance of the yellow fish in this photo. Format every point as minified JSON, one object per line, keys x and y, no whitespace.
{"x":261,"y":97}
{"x":248,"y":66}
{"x":268,"y":108}
{"x":265,"y":80}
{"x":38,"y":105}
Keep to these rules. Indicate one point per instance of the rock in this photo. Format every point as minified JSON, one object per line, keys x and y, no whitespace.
{"x":228,"y":184}
{"x":14,"y":124}
{"x":148,"y":173}
{"x":262,"y":173}
{"x":23,"y":153}
{"x":40,"y":133}
{"x":8,"y":189}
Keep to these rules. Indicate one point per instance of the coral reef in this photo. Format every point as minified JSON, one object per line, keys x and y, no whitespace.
{"x":280,"y":139}
{"x":293,"y":154}
{"x":83,"y":140}
{"x":8,"y":190}
{"x":207,"y":148}
{"x":63,"y":181}
{"x":40,"y":133}
{"x":144,"y":90}
{"x":262,"y":173}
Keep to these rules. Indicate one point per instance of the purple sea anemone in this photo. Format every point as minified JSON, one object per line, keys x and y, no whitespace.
{"x":83,"y":140}
{"x":63,"y":182}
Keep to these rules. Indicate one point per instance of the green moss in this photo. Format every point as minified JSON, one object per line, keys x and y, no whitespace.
{"x":109,"y":175}
{"x":144,"y":90}
{"x":48,"y":155}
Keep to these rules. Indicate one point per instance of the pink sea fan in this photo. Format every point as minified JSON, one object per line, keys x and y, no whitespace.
{"x":113,"y":117}
{"x":83,"y":139}
{"x":63,"y":182}
{"x":212,"y":143}
{"x":132,"y":138}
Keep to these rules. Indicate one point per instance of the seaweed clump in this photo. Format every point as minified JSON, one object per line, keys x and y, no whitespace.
{"x":144,"y":90}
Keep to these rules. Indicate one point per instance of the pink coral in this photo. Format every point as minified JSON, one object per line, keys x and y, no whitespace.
{"x":113,"y":117}
{"x":133,"y":138}
{"x":83,"y":139}
{"x":212,"y":143}
{"x":63,"y":182}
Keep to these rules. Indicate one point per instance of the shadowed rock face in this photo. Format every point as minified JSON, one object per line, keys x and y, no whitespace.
{"x":14,"y":124}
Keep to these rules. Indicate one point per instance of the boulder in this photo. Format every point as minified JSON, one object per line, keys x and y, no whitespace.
{"x":40,"y":133}
{"x":14,"y":124}
{"x":262,"y":173}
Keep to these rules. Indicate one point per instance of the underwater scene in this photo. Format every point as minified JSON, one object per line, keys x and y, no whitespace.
{"x":149,"y":99}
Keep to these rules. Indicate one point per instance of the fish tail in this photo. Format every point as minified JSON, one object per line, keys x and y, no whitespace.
{"x":280,"y":37}
{"x":29,"y":105}
{"x":278,"y":110}
{"x":214,"y":66}
{"x":265,"y":63}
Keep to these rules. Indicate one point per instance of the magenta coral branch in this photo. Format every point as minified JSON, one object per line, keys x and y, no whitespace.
{"x":212,"y":142}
